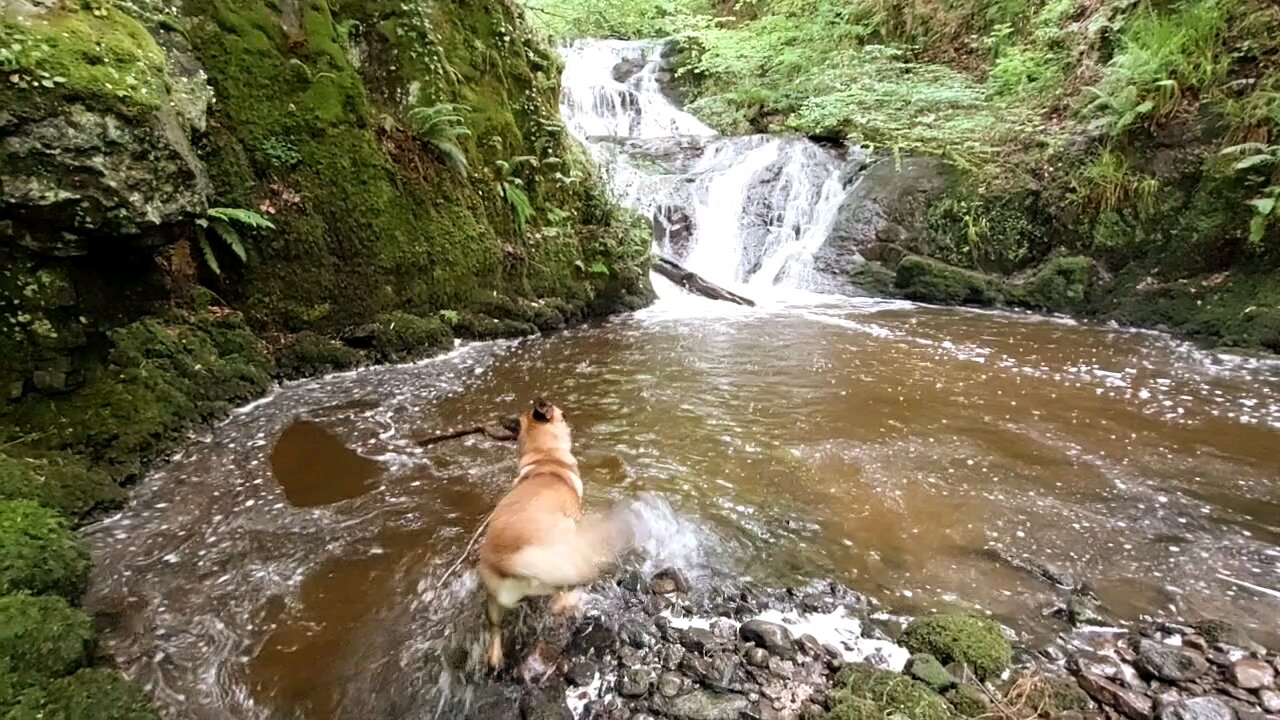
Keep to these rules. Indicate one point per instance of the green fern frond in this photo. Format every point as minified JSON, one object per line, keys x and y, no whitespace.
{"x":210,"y":258}
{"x":520,"y":203}
{"x":230,"y":238}
{"x":240,"y":215}
{"x":440,"y":126}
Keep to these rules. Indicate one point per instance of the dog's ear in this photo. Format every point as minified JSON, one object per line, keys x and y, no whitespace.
{"x":543,"y":410}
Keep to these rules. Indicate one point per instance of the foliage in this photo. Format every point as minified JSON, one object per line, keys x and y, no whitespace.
{"x":38,"y":552}
{"x":57,"y":482}
{"x":96,"y":693}
{"x":1263,"y":163}
{"x":617,"y":18}
{"x":401,"y":336}
{"x":864,"y":692}
{"x":220,"y":220}
{"x":1109,"y":182}
{"x":440,"y":126}
{"x":43,"y":637}
{"x":956,"y":637}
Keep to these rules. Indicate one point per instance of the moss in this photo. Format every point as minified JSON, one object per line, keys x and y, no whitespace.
{"x":40,"y":554}
{"x":1223,"y":631}
{"x":969,"y":701}
{"x":858,"y":685}
{"x":975,"y":641}
{"x":873,"y":277}
{"x":926,"y":668}
{"x":1237,"y":309}
{"x":93,"y":53}
{"x":1062,"y":284}
{"x":42,"y":638}
{"x":483,"y":327}
{"x":1052,"y":696}
{"x":96,"y":693}
{"x":400,"y":336}
{"x":933,"y":281}
{"x":59,"y":482}
{"x":308,"y":354}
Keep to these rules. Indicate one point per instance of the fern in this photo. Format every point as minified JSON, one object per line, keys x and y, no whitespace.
{"x":440,"y":126}
{"x":519,"y":201}
{"x":220,"y":221}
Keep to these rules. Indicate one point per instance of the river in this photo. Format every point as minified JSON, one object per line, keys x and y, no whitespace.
{"x":291,"y":562}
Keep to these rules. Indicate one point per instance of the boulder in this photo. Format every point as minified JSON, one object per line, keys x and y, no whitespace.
{"x":957,"y":637}
{"x":1170,"y":662}
{"x":1201,"y":708}
{"x":1130,"y":703}
{"x":704,"y":705}
{"x":1251,"y":674}
{"x":773,"y":637}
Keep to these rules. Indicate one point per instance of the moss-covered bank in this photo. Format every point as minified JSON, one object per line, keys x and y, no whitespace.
{"x":198,"y":199}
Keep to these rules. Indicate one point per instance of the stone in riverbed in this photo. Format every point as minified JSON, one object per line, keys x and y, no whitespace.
{"x":705,"y":705}
{"x":699,"y":640}
{"x":635,"y":682}
{"x":670,"y":684}
{"x":544,"y":704}
{"x":926,"y":668}
{"x":1270,"y":700}
{"x":1251,"y":674}
{"x":667,"y":581}
{"x":581,"y":673}
{"x":757,"y":657}
{"x":771,"y":636}
{"x":1170,"y":662}
{"x":1201,"y":708}
{"x":1129,"y":703}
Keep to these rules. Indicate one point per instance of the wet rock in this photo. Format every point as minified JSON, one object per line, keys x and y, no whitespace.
{"x":1130,"y":703}
{"x":926,"y":668}
{"x":1270,"y":700}
{"x":717,"y":672}
{"x":1236,"y":693}
{"x":1170,"y":662}
{"x":771,"y":636}
{"x":757,"y":657}
{"x":1096,"y":664}
{"x":1226,"y":633}
{"x":1251,"y":674}
{"x":670,"y":684}
{"x":670,"y":656}
{"x":638,"y":633}
{"x":544,"y":704}
{"x":635,"y":682}
{"x":809,"y":645}
{"x":970,"y":701}
{"x":1243,"y":710}
{"x":699,"y":640}
{"x":705,"y":705}
{"x":627,"y":68}
{"x":783,"y":669}
{"x":1201,"y":708}
{"x":1084,"y":608}
{"x":656,"y":605}
{"x":667,"y":581}
{"x":581,"y":673}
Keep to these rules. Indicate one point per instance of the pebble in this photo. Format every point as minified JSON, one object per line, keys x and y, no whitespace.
{"x":1130,"y":703}
{"x":635,"y":682}
{"x":1201,"y":708}
{"x":1251,"y":674}
{"x":1270,"y":700}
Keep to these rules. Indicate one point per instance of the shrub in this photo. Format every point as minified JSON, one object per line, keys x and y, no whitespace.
{"x":42,"y":638}
{"x":95,"y":693}
{"x":38,"y":553}
{"x":59,"y":483}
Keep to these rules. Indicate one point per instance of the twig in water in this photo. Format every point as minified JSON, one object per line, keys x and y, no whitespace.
{"x":465,"y":551}
{"x":504,"y":429}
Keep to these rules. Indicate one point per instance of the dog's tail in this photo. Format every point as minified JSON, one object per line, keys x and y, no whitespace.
{"x":575,"y":559}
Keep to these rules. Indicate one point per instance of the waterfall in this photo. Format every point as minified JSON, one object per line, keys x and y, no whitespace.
{"x":740,"y":211}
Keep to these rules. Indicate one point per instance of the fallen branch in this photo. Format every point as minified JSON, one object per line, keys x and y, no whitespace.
{"x":465,"y":552}
{"x":695,"y":283}
{"x":506,"y":429}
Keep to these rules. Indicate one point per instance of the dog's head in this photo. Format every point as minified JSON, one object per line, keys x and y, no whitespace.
{"x":543,"y":426}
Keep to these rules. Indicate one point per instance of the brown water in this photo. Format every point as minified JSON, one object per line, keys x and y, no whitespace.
{"x":288,"y":564}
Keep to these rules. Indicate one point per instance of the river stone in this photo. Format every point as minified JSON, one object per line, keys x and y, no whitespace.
{"x":1251,"y":674}
{"x":705,"y":705}
{"x":1131,"y":704}
{"x":581,"y":673}
{"x":1201,"y":708}
{"x":1270,"y":700}
{"x":1170,"y":662}
{"x":809,"y":645}
{"x":670,"y":683}
{"x":1096,"y":664}
{"x":667,"y":581}
{"x":757,"y":657}
{"x":544,"y":704}
{"x":770,"y":636}
{"x":635,"y":682}
{"x":670,"y":656}
{"x":699,"y":640}
{"x":926,"y":668}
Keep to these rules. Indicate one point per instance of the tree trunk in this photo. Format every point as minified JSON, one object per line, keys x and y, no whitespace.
{"x":695,"y":283}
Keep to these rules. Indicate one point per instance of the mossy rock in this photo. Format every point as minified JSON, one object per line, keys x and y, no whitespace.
{"x":42,"y":638}
{"x":401,"y":336}
{"x":959,"y":637}
{"x":38,"y":552}
{"x":1061,"y":285}
{"x":1053,"y":695}
{"x":483,"y":327}
{"x":926,"y":668}
{"x":933,"y":281}
{"x":970,"y":701}
{"x":59,"y":482}
{"x":873,"y":277}
{"x":308,"y":354}
{"x":887,"y":692}
{"x":95,"y":693}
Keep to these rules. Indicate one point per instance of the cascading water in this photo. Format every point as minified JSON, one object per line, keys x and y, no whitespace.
{"x":748,"y":210}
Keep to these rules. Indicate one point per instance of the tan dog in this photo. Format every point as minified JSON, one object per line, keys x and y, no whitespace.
{"x":536,"y":543}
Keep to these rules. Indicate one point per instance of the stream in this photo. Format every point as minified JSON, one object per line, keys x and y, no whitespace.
{"x":292,"y":561}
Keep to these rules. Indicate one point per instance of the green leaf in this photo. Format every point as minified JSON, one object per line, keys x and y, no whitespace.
{"x":1263,"y":206}
{"x":599,"y":268}
{"x":1257,"y":229}
{"x":1253,"y":160}
{"x":1242,"y":148}
{"x":210,"y":258}
{"x":240,"y":215}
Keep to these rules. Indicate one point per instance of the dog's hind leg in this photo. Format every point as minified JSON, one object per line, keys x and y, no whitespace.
{"x":493,"y":611}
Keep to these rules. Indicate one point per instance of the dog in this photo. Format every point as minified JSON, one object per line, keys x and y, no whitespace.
{"x":538,"y":542}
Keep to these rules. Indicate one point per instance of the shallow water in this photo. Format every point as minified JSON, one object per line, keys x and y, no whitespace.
{"x":289,"y":563}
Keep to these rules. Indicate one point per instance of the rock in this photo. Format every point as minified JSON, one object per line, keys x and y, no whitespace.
{"x":627,"y":68}
{"x":544,"y":704}
{"x":670,"y":683}
{"x":635,"y":682}
{"x":970,"y":701}
{"x":928,"y":670}
{"x":699,"y":640}
{"x":717,"y":672}
{"x":670,"y":656}
{"x":1083,"y":609}
{"x":1201,"y":708}
{"x":1130,"y":703}
{"x":667,"y":581}
{"x":1170,"y":662}
{"x":958,"y":637}
{"x":1270,"y":700}
{"x":638,"y":633}
{"x":784,"y":669}
{"x":809,"y":645}
{"x":656,"y":605}
{"x":1236,"y":693}
{"x":705,"y":705}
{"x":581,"y":673}
{"x":757,"y":657}
{"x":772,"y":637}
{"x":1226,"y":633}
{"x":1096,"y":664}
{"x":1251,"y":674}
{"x":932,"y":281}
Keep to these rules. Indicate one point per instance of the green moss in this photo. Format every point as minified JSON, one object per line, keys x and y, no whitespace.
{"x":969,"y":701}
{"x":92,"y":53}
{"x":970,"y":639}
{"x":38,"y":553}
{"x":933,"y":281}
{"x":42,"y":637}
{"x":483,"y":327}
{"x":873,"y":277}
{"x":1061,"y":284}
{"x":1052,"y":696}
{"x":926,"y":668}
{"x":862,"y":689}
{"x":95,"y":693}
{"x":308,"y":354}
{"x":59,"y":482}
{"x":400,"y":336}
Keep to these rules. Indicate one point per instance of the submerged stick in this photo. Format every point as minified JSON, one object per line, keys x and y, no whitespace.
{"x":505,"y":429}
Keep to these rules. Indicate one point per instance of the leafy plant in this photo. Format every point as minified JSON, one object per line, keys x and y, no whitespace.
{"x":1110,"y":182}
{"x":440,"y":126}
{"x":512,"y":188}
{"x":221,"y":222}
{"x":595,"y":268}
{"x":450,"y":317}
{"x":1263,"y":160}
